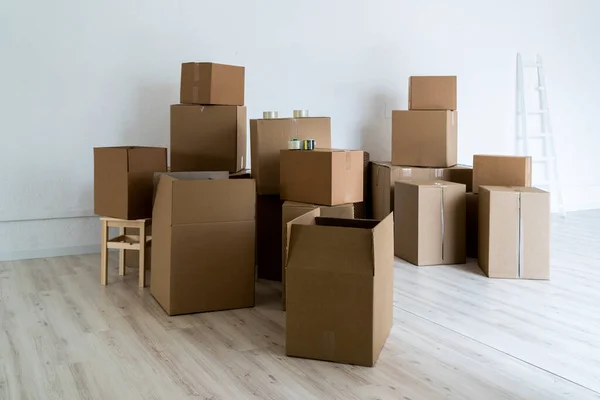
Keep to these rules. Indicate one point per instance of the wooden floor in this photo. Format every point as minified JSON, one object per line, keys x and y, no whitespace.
{"x":456,"y":335}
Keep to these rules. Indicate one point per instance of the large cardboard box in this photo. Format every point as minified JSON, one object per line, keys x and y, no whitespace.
{"x":340,"y":288}
{"x":210,"y":83}
{"x":472,"y":226}
{"x":208,"y":138}
{"x":203,"y":243}
{"x":292,"y":210}
{"x":268,"y":237}
{"x":123,"y":180}
{"x":269,"y":136}
{"x":132,"y":257}
{"x":362,"y":209}
{"x":432,"y":93}
{"x":384,"y":175}
{"x":430,"y":222}
{"x":322,"y":176}
{"x":425,"y":138}
{"x":514,"y":232}
{"x":501,"y":171}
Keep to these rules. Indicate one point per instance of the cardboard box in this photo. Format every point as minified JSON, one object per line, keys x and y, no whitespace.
{"x":123,"y":180}
{"x":292,"y":210}
{"x":340,"y":288}
{"x":425,"y":138}
{"x":203,"y":243}
{"x":430,"y":222}
{"x":268,"y":237}
{"x":472,"y":227}
{"x":384,"y":175}
{"x":210,"y":83}
{"x":132,"y":257}
{"x":322,"y":176}
{"x":432,"y":93}
{"x":514,"y":232}
{"x":501,"y":171}
{"x":362,"y":209}
{"x":243,"y":174}
{"x":269,"y":136}
{"x":208,"y":138}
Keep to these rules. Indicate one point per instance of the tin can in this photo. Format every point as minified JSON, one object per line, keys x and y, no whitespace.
{"x":300,"y":113}
{"x":308,"y":144}
{"x":270,"y":114}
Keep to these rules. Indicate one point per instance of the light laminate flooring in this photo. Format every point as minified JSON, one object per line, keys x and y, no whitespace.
{"x":456,"y":335}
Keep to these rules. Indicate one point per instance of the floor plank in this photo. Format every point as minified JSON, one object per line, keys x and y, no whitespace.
{"x":456,"y":335}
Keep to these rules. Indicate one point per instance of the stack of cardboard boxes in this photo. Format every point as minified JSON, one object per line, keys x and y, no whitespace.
{"x":440,"y":217}
{"x":338,"y":271}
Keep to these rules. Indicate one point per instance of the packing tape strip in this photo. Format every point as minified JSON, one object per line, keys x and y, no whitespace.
{"x":308,"y":144}
{"x":300,"y":113}
{"x":406,"y":172}
{"x":294,"y":144}
{"x":270,"y":114}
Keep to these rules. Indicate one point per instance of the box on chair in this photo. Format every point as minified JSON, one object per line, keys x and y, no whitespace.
{"x":211,"y":83}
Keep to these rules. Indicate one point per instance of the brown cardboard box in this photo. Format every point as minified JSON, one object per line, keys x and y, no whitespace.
{"x":322,"y":176}
{"x":292,"y":210}
{"x":123,"y":179}
{"x":501,"y":171}
{"x":243,"y":174}
{"x":208,"y":138}
{"x":340,"y":288}
{"x":384,"y":174}
{"x":514,"y":232}
{"x":432,"y":93}
{"x":362,"y":209}
{"x":268,"y":237}
{"x":430,"y":222}
{"x":269,"y":136}
{"x":210,"y":83}
{"x":203,"y":243}
{"x":424,"y":138}
{"x":472,"y":226}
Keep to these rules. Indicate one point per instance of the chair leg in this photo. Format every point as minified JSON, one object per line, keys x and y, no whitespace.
{"x":122,"y":267}
{"x":142,"y":257}
{"x":104,"y":254}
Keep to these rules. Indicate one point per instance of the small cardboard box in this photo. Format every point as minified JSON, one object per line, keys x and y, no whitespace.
{"x":430,"y":222}
{"x":514,"y":232}
{"x":269,"y":136}
{"x":472,"y":202}
{"x":210,"y":83}
{"x":123,"y":180}
{"x":292,"y":210}
{"x":203,"y":243}
{"x":208,"y":138}
{"x":425,"y":138}
{"x":384,"y":175}
{"x":501,"y":171}
{"x":268,"y":237}
{"x":340,"y":288}
{"x":323,"y":176}
{"x":432,"y":93}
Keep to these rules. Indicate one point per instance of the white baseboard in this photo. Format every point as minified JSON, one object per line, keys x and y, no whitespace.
{"x":46,"y":253}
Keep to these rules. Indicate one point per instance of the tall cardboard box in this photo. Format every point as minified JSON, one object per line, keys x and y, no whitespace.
{"x":123,"y":180}
{"x":430,"y":222}
{"x":472,"y":227}
{"x":132,"y":257}
{"x":432,"y":93}
{"x":269,"y":136}
{"x":340,"y":288}
{"x":208,"y":138}
{"x":210,"y":83}
{"x":292,"y":210}
{"x":425,"y":138}
{"x":322,"y":176}
{"x":362,"y":209}
{"x":268,"y":237}
{"x":514,"y":232}
{"x":203,"y":243}
{"x":501,"y":171}
{"x":384,"y":175}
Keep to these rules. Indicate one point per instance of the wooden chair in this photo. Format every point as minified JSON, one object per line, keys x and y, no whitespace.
{"x":124,"y":242}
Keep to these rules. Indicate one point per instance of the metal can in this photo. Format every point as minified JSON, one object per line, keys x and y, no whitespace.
{"x":308,"y":144}
{"x":270,"y":114}
{"x":300,"y":113}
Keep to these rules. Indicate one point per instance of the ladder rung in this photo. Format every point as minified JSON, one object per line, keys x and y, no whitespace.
{"x":537,"y":112}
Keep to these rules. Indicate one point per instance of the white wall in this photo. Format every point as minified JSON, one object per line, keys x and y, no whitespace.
{"x":78,"y":74}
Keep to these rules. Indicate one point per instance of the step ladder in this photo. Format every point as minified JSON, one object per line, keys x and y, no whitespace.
{"x":547,"y":159}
